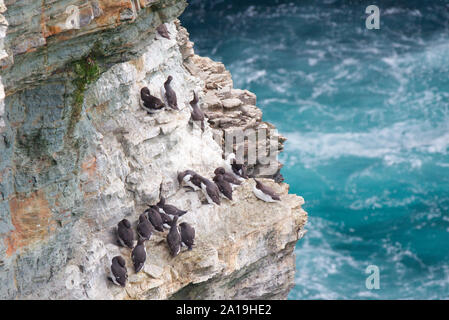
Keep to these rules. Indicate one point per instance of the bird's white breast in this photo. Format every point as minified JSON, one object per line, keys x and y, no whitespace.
{"x":262,"y":196}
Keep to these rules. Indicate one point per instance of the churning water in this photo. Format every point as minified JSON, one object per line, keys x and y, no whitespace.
{"x":366,"y":113}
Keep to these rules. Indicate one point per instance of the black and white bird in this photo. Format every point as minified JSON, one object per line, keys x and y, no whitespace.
{"x":118,"y":274}
{"x":139,"y":255}
{"x":166,"y":219}
{"x":196,"y":114}
{"x":224,"y":186}
{"x":209,"y":189}
{"x":265,"y":193}
{"x":144,"y":228}
{"x":150,"y":103}
{"x":163,"y":32}
{"x":238,"y":170}
{"x":187,"y":234}
{"x":185,"y":177}
{"x":229,"y":177}
{"x":170,"y":94}
{"x":169,"y":209}
{"x":174,"y":238}
{"x":155,"y":218}
{"x":125,"y":234}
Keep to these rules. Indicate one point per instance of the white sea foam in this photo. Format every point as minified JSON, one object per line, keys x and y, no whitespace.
{"x":401,"y":142}
{"x":321,"y":262}
{"x":312,"y":61}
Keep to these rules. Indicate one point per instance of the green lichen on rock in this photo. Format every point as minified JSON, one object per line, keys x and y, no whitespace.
{"x":86,"y":71}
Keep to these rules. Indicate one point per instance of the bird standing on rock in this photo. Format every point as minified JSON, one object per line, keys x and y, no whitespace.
{"x":166,"y":219}
{"x":197,"y":114}
{"x":174,"y":238}
{"x":224,"y":186}
{"x":163,"y":31}
{"x":239,"y":171}
{"x":125,"y":234}
{"x":118,"y":274}
{"x":151,"y":103}
{"x":210,"y":189}
{"x":187,"y":178}
{"x":144,"y":227}
{"x":169,"y":209}
{"x":170,"y":94}
{"x":155,"y":218}
{"x":229,"y":177}
{"x":265,"y":193}
{"x":187,"y":234}
{"x":139,"y":255}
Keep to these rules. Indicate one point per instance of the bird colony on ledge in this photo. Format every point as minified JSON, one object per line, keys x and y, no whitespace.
{"x":162,"y":216}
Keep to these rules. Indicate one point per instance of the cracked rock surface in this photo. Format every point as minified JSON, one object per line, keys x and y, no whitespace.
{"x":70,"y":172}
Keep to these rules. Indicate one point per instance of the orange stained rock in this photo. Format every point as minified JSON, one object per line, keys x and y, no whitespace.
{"x":32,"y":219}
{"x":90,"y":167}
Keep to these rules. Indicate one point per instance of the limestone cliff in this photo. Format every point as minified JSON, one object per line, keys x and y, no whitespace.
{"x":78,"y":154}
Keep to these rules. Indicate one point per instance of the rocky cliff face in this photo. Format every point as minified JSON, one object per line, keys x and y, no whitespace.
{"x":78,"y":154}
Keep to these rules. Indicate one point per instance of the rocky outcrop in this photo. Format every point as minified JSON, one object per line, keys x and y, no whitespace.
{"x":78,"y":154}
{"x":231,"y":110}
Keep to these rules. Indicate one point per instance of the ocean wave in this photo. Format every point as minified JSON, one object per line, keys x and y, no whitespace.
{"x":398,"y":143}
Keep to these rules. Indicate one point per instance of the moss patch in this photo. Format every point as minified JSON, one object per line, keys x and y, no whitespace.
{"x":86,"y":72}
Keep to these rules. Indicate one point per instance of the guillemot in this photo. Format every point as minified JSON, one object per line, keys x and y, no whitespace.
{"x":144,"y":227}
{"x":209,"y":189}
{"x":185,"y":177}
{"x":239,"y":171}
{"x":265,"y":193}
{"x":170,"y":209}
{"x":163,"y":31}
{"x":118,"y":274}
{"x":224,"y":186}
{"x":196,"y":114}
{"x":170,"y":94}
{"x":174,"y":238}
{"x":139,"y":255}
{"x":187,"y":234}
{"x":155,"y":218}
{"x":150,"y":103}
{"x":125,"y":234}
{"x":229,"y":177}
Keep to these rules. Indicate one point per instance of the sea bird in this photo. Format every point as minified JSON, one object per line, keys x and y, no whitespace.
{"x":229,"y":177}
{"x":150,"y":103}
{"x":144,"y":227}
{"x":174,"y":238}
{"x":170,"y":209}
{"x":125,"y":234}
{"x":139,"y":255}
{"x":185,"y":177}
{"x":239,"y":171}
{"x":265,"y":193}
{"x":196,"y":114}
{"x":224,"y":186}
{"x":118,"y":274}
{"x":187,"y":234}
{"x":210,"y":189}
{"x":162,"y":30}
{"x":155,"y":218}
{"x":170,"y":94}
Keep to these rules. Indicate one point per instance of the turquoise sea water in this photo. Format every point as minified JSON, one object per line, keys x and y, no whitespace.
{"x":366,"y":113}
